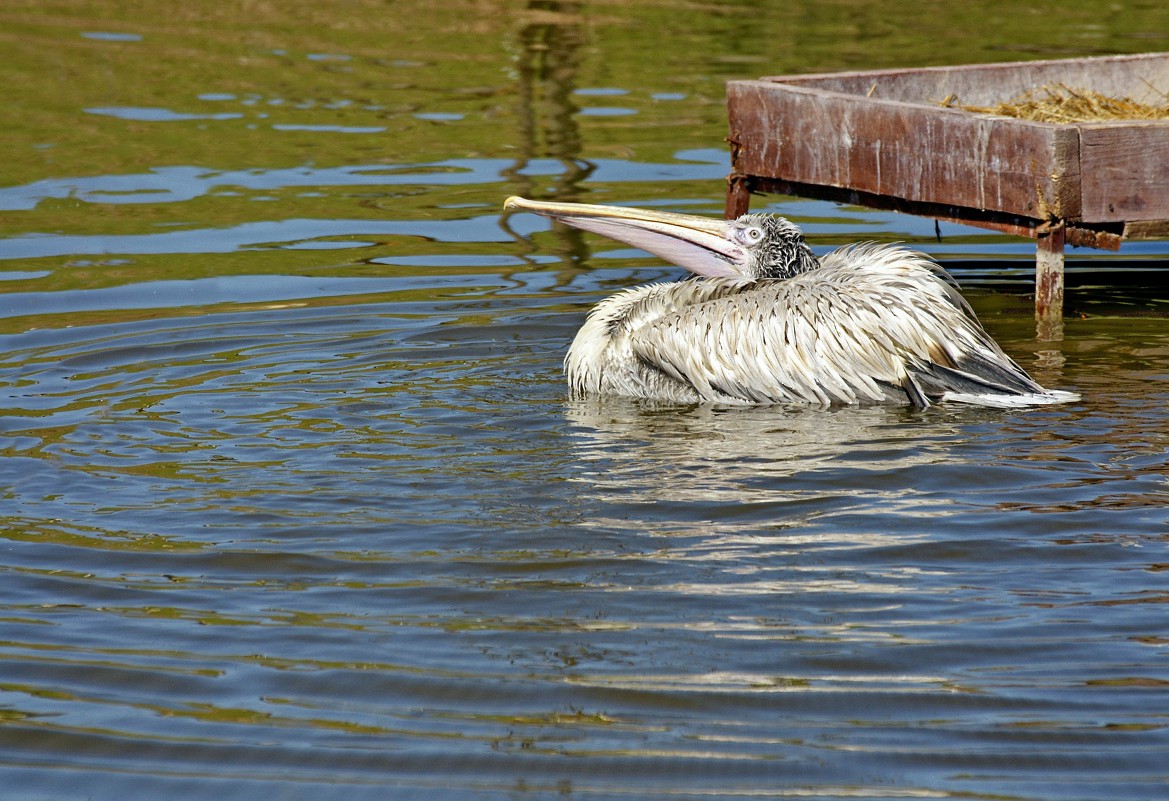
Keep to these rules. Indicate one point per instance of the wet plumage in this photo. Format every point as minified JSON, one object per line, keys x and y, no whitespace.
{"x":768,"y":322}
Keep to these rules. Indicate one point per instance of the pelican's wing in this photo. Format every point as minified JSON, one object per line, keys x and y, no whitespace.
{"x":873,"y":323}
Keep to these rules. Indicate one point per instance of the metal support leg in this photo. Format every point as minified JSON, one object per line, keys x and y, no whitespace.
{"x":738,"y":195}
{"x":1049,"y":283}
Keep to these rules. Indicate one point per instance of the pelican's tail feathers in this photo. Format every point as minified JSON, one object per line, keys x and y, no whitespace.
{"x":996,"y":400}
{"x":980,"y":382}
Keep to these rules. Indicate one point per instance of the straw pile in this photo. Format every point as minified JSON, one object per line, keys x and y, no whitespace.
{"x":1061,"y":103}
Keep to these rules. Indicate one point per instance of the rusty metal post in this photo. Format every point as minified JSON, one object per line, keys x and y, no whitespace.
{"x":738,"y":195}
{"x":1049,"y":281}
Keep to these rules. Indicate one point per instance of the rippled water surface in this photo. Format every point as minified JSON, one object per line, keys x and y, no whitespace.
{"x":294,"y":504}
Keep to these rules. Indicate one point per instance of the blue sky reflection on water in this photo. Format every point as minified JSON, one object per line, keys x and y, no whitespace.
{"x":177,"y":184}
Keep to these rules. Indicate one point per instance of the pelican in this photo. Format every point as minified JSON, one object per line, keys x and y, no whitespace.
{"x":767,"y":322}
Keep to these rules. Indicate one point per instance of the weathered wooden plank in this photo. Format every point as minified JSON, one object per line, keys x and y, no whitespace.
{"x":1143,"y":77}
{"x":1125,"y":171}
{"x":1158,"y":229}
{"x":884,"y":147}
{"x":884,"y":139}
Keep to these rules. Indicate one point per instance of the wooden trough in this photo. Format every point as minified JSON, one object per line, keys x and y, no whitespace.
{"x":884,"y":139}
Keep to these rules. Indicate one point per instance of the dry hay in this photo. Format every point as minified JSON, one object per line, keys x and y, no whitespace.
{"x":1064,"y":104}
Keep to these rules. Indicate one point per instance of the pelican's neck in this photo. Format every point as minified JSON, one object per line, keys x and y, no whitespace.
{"x":789,"y":263}
{"x":601,"y":359}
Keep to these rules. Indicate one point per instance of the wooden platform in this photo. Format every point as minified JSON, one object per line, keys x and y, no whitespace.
{"x":884,"y":139}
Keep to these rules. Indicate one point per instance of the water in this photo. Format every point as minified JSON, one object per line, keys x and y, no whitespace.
{"x":294,"y":504}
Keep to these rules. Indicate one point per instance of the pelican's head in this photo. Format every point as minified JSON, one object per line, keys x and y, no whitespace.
{"x":754,"y":246}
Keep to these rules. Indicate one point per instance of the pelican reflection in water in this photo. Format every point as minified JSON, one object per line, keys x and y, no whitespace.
{"x":766,"y":321}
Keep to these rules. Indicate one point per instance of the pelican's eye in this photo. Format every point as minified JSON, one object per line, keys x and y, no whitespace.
{"x":749,"y":235}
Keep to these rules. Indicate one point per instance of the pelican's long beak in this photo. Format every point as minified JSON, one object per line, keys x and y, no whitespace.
{"x":700,"y":244}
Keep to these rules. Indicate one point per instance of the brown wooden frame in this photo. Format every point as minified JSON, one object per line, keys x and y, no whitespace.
{"x":888,"y":139}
